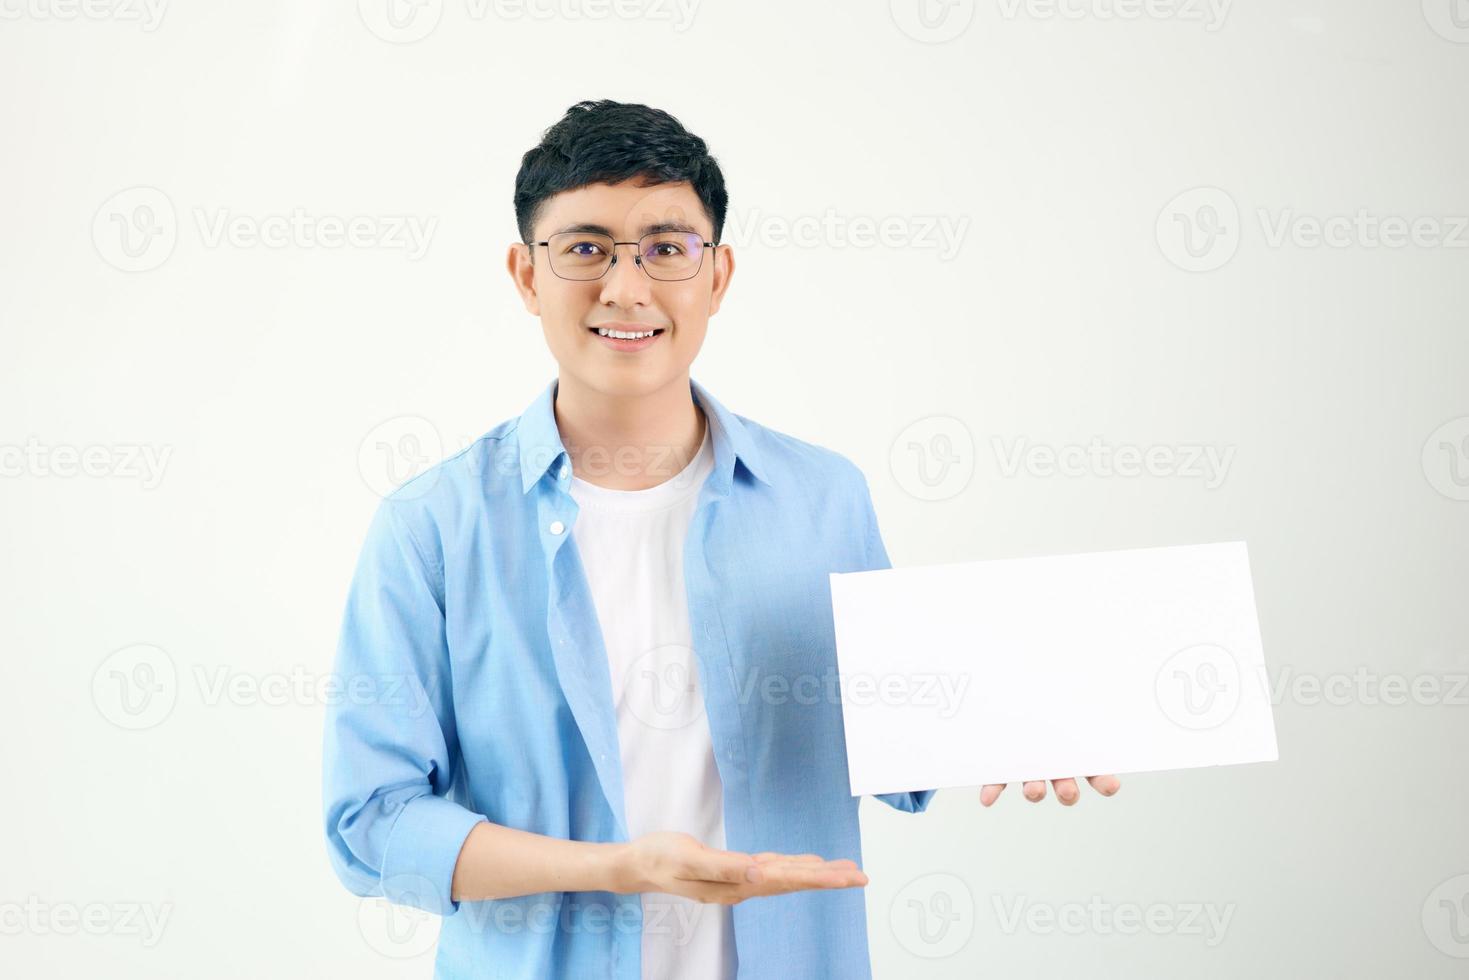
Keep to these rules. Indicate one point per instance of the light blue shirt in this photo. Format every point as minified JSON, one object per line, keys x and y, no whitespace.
{"x":482,"y":691}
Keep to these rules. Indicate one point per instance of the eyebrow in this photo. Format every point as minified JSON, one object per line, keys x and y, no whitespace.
{"x":653,"y":229}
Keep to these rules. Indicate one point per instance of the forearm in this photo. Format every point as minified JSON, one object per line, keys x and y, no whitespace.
{"x":502,"y":862}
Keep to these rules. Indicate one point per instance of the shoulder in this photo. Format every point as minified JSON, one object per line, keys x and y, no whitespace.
{"x":455,"y":489}
{"x":804,"y":461}
{"x":826,"y":495}
{"x":491,"y":457}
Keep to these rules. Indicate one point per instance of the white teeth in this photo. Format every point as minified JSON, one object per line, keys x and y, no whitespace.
{"x":623,"y":335}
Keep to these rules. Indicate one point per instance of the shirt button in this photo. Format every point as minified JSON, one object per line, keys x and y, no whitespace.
{"x":564,"y":473}
{"x":556,"y":527}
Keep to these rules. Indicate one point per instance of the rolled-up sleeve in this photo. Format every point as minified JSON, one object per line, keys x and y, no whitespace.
{"x":915,"y":801}
{"x":389,"y":747}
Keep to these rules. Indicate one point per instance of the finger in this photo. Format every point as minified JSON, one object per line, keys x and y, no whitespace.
{"x":786,"y":885}
{"x":1035,"y":790}
{"x":778,"y":876}
{"x":713,"y":865}
{"x":1106,"y":785}
{"x":764,"y":856}
{"x":990,"y":792}
{"x":788,"y":877}
{"x":1066,"y":791}
{"x":767,"y":858}
{"x":719,"y":893}
{"x":810,"y":868}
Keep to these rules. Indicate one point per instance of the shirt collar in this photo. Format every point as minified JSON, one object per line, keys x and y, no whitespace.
{"x":541,"y":446}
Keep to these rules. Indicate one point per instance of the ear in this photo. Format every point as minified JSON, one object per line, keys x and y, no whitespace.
{"x":523,"y":273}
{"x":724,"y":265}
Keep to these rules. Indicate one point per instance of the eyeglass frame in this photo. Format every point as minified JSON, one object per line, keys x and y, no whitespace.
{"x":637,"y":259}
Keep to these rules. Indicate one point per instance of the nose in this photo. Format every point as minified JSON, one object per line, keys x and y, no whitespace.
{"x":625,"y":284}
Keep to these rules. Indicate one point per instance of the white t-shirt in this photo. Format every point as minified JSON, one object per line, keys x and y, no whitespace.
{"x":631,"y":547}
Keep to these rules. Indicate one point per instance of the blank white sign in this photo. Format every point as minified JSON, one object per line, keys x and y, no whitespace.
{"x":1039,"y":668}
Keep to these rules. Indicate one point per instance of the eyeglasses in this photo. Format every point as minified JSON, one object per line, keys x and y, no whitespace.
{"x":667,"y":256}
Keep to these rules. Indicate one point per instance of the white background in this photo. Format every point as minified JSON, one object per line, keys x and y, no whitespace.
{"x":1086,"y":302}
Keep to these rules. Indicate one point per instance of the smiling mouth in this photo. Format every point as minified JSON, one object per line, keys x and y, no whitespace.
{"x":626,"y":334}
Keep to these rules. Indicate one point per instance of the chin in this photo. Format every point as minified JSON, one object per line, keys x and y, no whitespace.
{"x":632,"y":381}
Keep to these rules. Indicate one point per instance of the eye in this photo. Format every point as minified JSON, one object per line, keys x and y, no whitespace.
{"x":584,"y":249}
{"x":665,"y":250}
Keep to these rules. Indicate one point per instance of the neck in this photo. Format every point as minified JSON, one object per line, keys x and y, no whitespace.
{"x":628,"y":442}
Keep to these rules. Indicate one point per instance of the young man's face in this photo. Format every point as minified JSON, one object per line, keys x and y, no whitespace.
{"x":625,"y":298}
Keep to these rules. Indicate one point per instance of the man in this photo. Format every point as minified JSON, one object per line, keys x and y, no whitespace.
{"x":607,"y":624}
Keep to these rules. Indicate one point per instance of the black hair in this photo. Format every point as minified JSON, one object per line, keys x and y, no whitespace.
{"x":610,"y":142}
